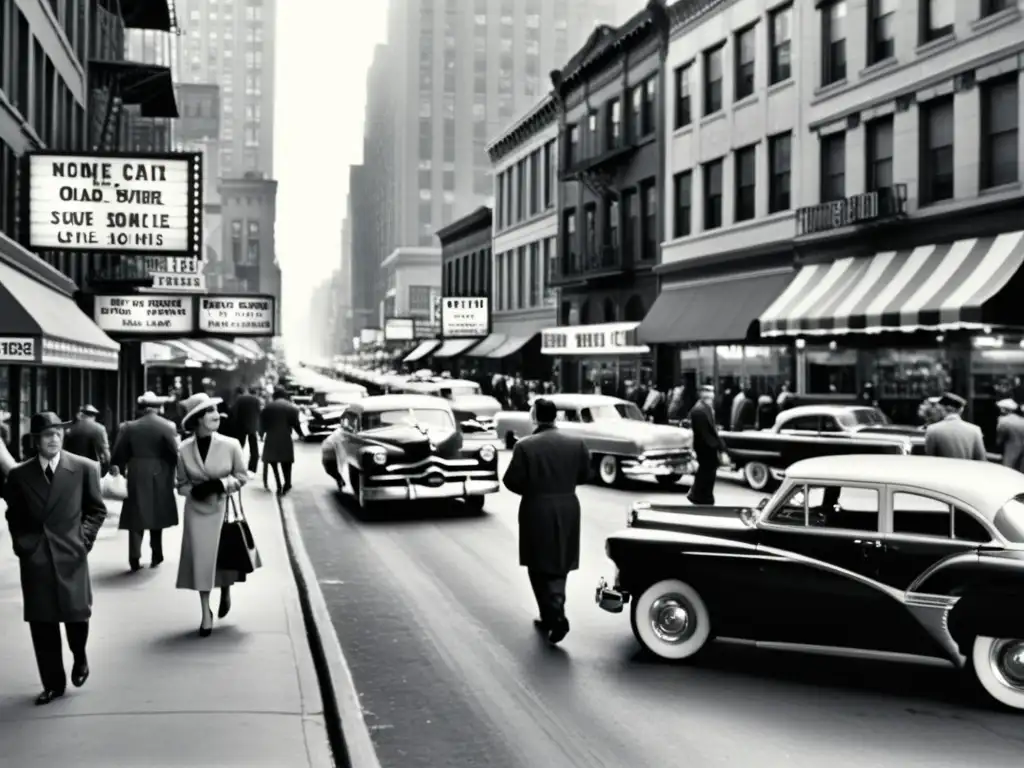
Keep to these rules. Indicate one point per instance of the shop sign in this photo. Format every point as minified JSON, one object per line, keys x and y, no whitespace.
{"x":129,"y":202}
{"x":17,"y":350}
{"x":592,"y":340}
{"x":237,"y":315}
{"x":856,"y":209}
{"x":141,"y":314}
{"x":172,"y":273}
{"x":370,"y":336}
{"x":465,"y":318}
{"x":427,"y":330}
{"x":399,"y":329}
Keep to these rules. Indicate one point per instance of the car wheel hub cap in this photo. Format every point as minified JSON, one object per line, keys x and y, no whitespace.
{"x":672,"y":619}
{"x":757,"y":473}
{"x":608,"y":467}
{"x":1008,"y":663}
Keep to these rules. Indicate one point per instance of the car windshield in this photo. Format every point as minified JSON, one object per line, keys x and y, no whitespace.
{"x":430,"y":418}
{"x":863,"y":417}
{"x":615,"y":412}
{"x":1009,"y":520}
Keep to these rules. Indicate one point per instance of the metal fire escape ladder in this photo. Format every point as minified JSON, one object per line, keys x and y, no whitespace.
{"x":111,"y":128}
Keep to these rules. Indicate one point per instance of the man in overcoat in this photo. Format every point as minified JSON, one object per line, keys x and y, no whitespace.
{"x":544,"y":471}
{"x":953,"y":437}
{"x":245,"y":413}
{"x":54,"y":513}
{"x":88,"y":438}
{"x":707,"y":445}
{"x":278,"y":419}
{"x":1010,"y":434}
{"x":146,"y":449}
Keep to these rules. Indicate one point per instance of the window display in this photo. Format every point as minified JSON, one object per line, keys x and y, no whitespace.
{"x":831,"y":370}
{"x":913,"y":374}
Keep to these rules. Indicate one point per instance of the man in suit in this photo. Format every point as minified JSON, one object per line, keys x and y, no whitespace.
{"x":954,"y":438}
{"x":1010,"y":434}
{"x":544,"y":471}
{"x":245,"y":413}
{"x":706,"y":444}
{"x":54,"y":512}
{"x":88,"y":438}
{"x":278,"y":420}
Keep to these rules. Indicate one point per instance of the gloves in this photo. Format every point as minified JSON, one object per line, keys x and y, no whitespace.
{"x":206,"y":489}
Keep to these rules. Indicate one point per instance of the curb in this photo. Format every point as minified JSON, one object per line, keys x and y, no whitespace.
{"x":347,"y":731}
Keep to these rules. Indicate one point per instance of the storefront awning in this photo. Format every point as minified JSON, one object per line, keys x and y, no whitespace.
{"x":712,"y":311}
{"x":147,"y":14}
{"x":454,"y":347}
{"x":252,"y":346}
{"x":594,"y":340}
{"x":421,"y":351}
{"x":61,"y":333}
{"x":197,"y":350}
{"x":511,"y":345}
{"x":488,"y":345}
{"x":232,"y":349}
{"x":955,"y":286}
{"x":147,"y":86}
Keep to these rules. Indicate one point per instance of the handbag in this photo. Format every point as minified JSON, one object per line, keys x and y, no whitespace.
{"x":237,"y":551}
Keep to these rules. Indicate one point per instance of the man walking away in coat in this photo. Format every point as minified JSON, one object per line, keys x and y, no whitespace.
{"x":54,"y":513}
{"x":954,"y":438}
{"x":278,"y":419}
{"x":544,"y":471}
{"x":146,"y":450}
{"x":707,"y":445}
{"x":1010,"y":434}
{"x":88,"y":438}
{"x":245,"y":413}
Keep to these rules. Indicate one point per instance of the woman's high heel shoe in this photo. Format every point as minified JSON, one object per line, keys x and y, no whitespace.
{"x":225,"y":607}
{"x":206,"y":631}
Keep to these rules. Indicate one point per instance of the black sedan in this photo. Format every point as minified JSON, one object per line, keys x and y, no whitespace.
{"x":322,"y":415}
{"x":887,"y":557}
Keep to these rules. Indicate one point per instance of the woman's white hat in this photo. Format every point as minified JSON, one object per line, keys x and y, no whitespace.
{"x":198,"y":403}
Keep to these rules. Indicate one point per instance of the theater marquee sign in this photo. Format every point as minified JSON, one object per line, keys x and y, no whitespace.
{"x":237,"y":315}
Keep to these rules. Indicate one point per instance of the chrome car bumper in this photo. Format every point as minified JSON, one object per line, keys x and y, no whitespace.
{"x":659,"y":467}
{"x":410,"y":491}
{"x":608,"y":599}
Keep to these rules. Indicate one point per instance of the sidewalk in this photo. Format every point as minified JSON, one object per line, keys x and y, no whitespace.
{"x":159,"y":695}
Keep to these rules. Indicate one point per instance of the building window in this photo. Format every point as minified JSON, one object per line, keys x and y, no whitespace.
{"x":992,"y":7}
{"x":499,"y":201}
{"x":592,"y":139}
{"x":936,"y":132}
{"x":746,"y":53}
{"x":521,"y":190}
{"x":881,"y":30}
{"x":879,"y":148}
{"x":549,"y":175}
{"x":833,"y":167}
{"x":521,"y":277}
{"x":613,"y":123}
{"x":499,"y":282}
{"x":713,"y":195}
{"x":780,"y":159}
{"x":649,"y":245}
{"x":1000,"y":124}
{"x":535,"y":275}
{"x":572,"y":145}
{"x":611,"y":222}
{"x":636,"y":112}
{"x":631,"y":222}
{"x":682,"y":190}
{"x":252,"y":242}
{"x":647,"y":109}
{"x":746,"y":183}
{"x":534,"y":183}
{"x":236,"y":242}
{"x":713,"y":80}
{"x":569,"y":241}
{"x":548,"y":257}
{"x":590,"y":223}
{"x":683,"y":110}
{"x":780,"y":33}
{"x":937,"y":19}
{"x":833,"y":42}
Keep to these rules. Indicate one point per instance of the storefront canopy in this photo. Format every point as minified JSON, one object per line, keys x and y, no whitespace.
{"x":454,"y":347}
{"x":200,"y":352}
{"x":947,"y":287}
{"x":232,"y":349}
{"x":147,"y":14}
{"x":712,"y":311}
{"x":252,"y":346}
{"x":488,"y":345}
{"x":510,"y":346}
{"x":63,"y":334}
{"x":421,"y":351}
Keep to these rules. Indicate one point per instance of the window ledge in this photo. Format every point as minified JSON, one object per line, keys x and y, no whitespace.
{"x":996,"y":20}
{"x":746,"y":101}
{"x":739,"y":226}
{"x":830,"y":88}
{"x":939,"y":44}
{"x":873,"y":70}
{"x":1001,"y":189}
{"x":714,"y":117}
{"x":781,"y":85}
{"x":683,"y":131}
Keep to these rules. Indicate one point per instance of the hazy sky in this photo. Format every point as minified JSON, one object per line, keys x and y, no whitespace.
{"x":323,"y":52}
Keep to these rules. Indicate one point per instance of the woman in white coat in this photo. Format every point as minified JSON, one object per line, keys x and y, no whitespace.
{"x":210,"y":467}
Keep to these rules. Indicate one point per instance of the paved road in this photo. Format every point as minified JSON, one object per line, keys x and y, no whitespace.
{"x":435,"y":616}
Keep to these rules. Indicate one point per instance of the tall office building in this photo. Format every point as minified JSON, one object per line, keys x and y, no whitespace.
{"x":452,"y":74}
{"x":230,"y":43}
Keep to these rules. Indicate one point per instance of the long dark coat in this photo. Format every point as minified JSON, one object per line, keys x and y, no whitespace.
{"x":277,"y":421}
{"x":545,"y":469}
{"x":88,"y":438}
{"x":53,"y":528}
{"x":147,"y":451}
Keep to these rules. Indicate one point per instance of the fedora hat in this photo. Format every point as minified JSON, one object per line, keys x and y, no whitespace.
{"x":199,"y":403}
{"x":40,"y":422}
{"x":91,"y":410}
{"x":151,"y":399}
{"x":1007,"y":404}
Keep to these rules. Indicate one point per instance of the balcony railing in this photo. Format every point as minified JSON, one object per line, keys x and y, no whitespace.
{"x":595,"y":262}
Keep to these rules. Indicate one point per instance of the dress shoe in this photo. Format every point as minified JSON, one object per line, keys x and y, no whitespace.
{"x":286,"y":489}
{"x":540,"y":624}
{"x":155,"y":562}
{"x":79,"y":673}
{"x":558,"y":634}
{"x":134,"y":565}
{"x":47,"y":696}
{"x":225,"y":607}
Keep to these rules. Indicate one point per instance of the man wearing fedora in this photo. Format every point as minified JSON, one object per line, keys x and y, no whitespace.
{"x":953,"y":437}
{"x":54,"y":512}
{"x":146,"y":450}
{"x":1010,"y":434}
{"x":88,"y":438}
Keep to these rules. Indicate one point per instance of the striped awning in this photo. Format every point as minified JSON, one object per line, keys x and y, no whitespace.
{"x":931,"y":287}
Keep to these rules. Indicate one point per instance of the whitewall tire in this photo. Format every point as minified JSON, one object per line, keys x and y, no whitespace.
{"x":999,"y":669}
{"x":608,"y":470}
{"x":671,"y":620}
{"x":757,"y":475}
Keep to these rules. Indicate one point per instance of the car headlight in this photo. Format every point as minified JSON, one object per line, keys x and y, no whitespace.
{"x":487,"y":453}
{"x":379,"y":456}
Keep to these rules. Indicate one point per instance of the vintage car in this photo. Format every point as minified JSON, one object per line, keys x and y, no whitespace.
{"x":474,"y":411}
{"x":326,"y":407}
{"x":622,"y":443}
{"x":884,"y":557}
{"x":407,"y":448}
{"x":807,"y":431}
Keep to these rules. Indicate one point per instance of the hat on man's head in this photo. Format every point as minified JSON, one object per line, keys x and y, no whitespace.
{"x":89,"y":410}
{"x":40,"y":422}
{"x":951,"y":400}
{"x":1007,"y":404}
{"x":934,"y":400}
{"x":707,"y":388}
{"x":151,"y":400}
